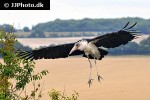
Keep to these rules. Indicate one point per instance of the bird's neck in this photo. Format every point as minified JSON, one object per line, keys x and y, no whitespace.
{"x":84,"y":44}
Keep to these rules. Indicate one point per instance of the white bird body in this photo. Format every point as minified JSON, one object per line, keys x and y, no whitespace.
{"x":92,"y":50}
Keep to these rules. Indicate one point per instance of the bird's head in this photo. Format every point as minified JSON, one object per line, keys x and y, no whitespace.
{"x":80,"y":45}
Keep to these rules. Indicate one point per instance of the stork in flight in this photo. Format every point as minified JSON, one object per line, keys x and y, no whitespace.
{"x":89,"y":48}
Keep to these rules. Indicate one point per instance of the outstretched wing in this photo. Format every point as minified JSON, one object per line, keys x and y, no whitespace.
{"x":51,"y":52}
{"x":116,"y":39}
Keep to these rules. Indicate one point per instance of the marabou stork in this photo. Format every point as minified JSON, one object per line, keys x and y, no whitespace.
{"x":90,"y":48}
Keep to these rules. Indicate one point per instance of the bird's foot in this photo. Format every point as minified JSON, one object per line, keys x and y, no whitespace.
{"x":90,"y":82}
{"x":99,"y":78}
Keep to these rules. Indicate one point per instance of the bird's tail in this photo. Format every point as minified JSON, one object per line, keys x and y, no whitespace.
{"x":102,"y":53}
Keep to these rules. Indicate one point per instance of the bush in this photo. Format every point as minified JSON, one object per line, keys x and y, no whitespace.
{"x":57,"y":95}
{"x":37,"y":34}
{"x":16,"y":72}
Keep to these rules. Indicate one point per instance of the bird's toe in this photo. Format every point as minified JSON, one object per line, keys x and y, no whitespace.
{"x":99,"y":78}
{"x":90,"y":82}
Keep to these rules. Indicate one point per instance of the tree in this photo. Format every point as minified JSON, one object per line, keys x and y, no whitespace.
{"x":37,"y":34}
{"x":87,"y":24}
{"x":57,"y":95}
{"x":145,"y":46}
{"x":146,"y":42}
{"x":16,"y":69}
{"x":6,"y":28}
{"x":26,"y":29}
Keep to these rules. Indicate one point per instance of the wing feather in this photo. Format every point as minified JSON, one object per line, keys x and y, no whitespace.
{"x":51,"y":52}
{"x":116,"y":39}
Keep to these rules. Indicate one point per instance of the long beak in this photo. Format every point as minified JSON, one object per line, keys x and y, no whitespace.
{"x":73,"y":49}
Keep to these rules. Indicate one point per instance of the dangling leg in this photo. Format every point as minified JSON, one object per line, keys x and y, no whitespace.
{"x":99,"y":77}
{"x":90,"y":80}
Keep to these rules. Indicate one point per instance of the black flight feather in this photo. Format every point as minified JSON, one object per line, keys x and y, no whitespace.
{"x":115,"y":39}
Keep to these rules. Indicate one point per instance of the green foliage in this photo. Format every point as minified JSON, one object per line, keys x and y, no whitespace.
{"x":37,"y":34}
{"x":6,"y":28}
{"x":59,"y":28}
{"x":87,"y":24}
{"x":15,"y":72}
{"x":57,"y":95}
{"x":20,"y":46}
{"x":146,"y":42}
{"x":145,"y":45}
{"x":26,"y":29}
{"x":132,"y":48}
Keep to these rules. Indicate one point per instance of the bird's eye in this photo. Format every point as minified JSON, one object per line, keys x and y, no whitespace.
{"x":77,"y":45}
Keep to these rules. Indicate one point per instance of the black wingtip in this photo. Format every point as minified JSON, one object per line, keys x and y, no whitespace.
{"x":128,"y":28}
{"x":132,"y":26}
{"x":126,"y":25}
